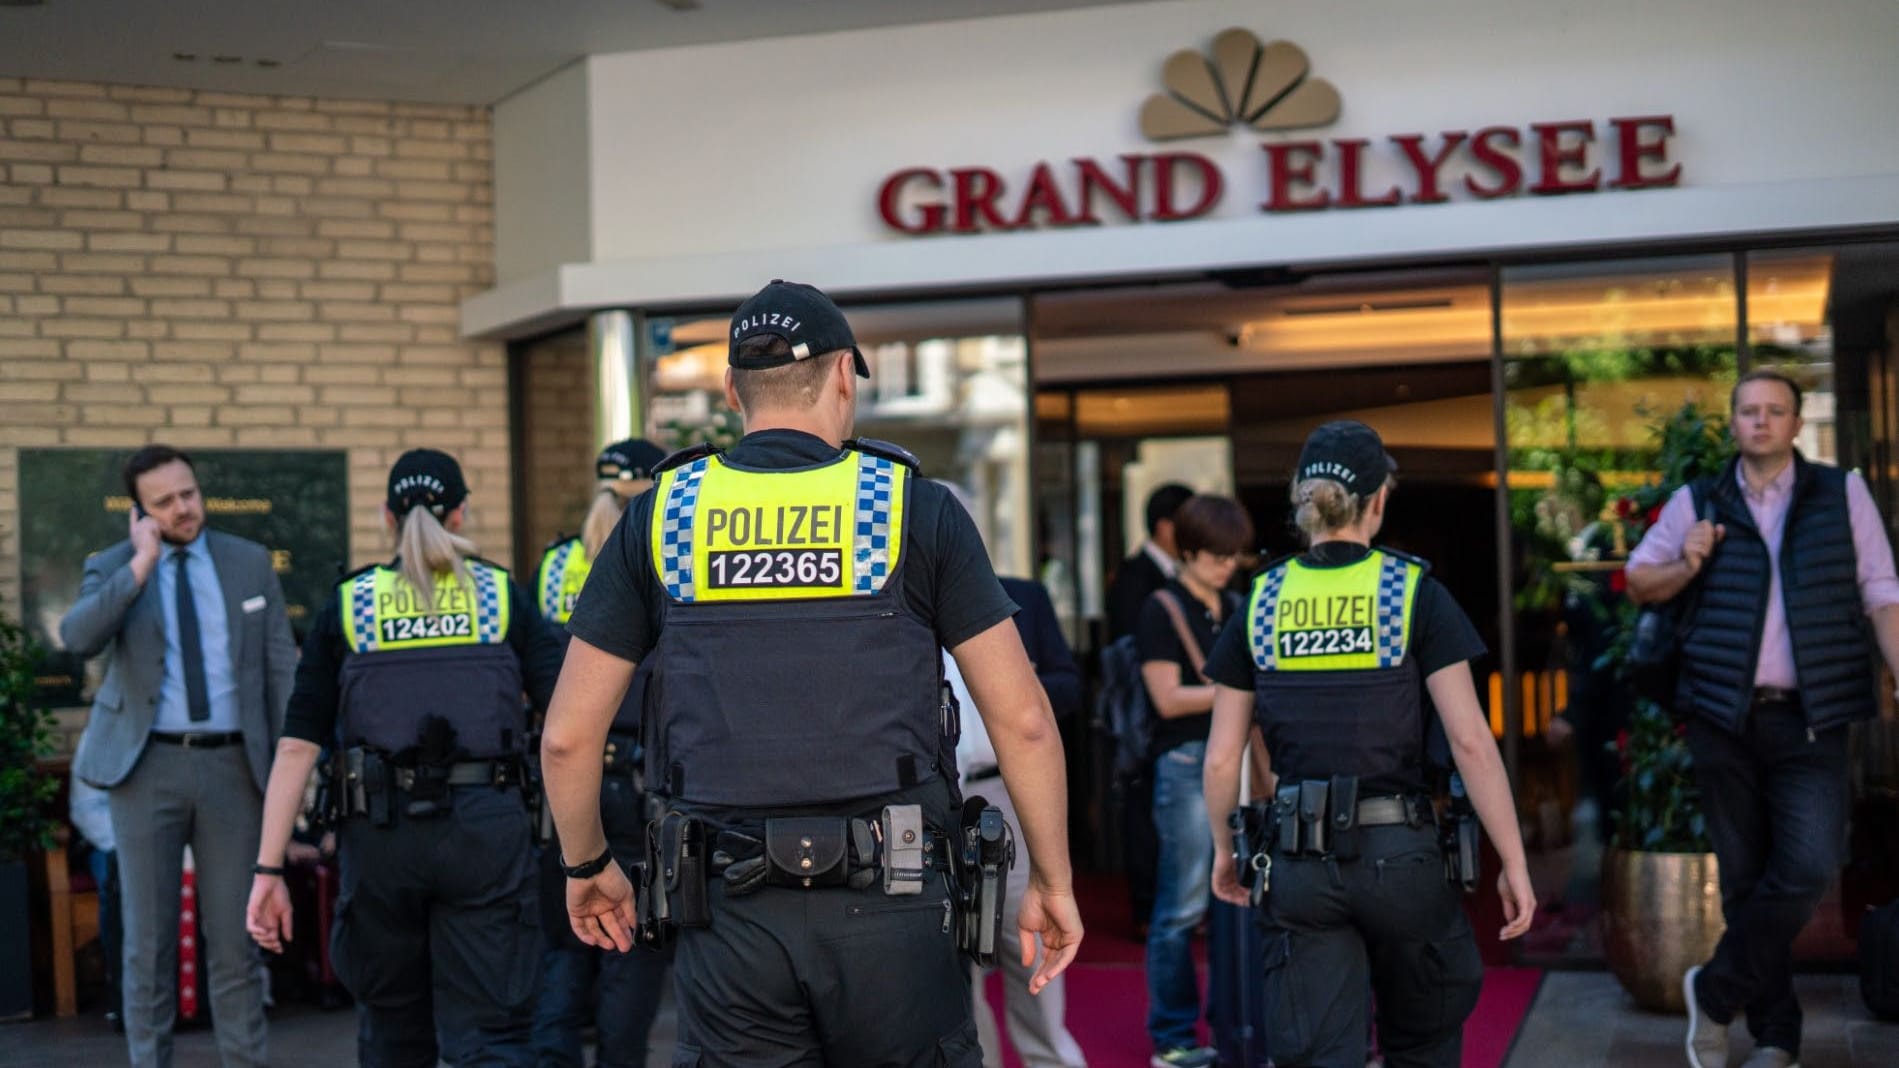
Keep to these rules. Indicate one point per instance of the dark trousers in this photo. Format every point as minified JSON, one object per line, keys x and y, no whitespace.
{"x":1386,"y":924}
{"x":1775,"y":801}
{"x":829,"y":977}
{"x":1142,"y":842}
{"x":438,"y":933}
{"x":617,"y":992}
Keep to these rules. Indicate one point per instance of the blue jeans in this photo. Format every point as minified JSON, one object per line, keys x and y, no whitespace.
{"x":1182,"y":884}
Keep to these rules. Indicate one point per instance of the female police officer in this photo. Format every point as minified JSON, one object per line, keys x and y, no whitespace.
{"x":413,"y":674}
{"x":1328,"y":658}
{"x":630,"y":984}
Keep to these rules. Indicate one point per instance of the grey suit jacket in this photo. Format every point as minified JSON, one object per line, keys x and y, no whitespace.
{"x":116,"y":616}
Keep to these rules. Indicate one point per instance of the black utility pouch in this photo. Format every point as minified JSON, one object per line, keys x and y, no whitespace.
{"x":1342,"y":803}
{"x":682,"y":844}
{"x":379,"y":785}
{"x":1286,"y":824}
{"x":1314,"y":814}
{"x":808,"y":851}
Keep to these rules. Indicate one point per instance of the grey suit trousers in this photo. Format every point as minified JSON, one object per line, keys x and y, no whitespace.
{"x":207,"y":799}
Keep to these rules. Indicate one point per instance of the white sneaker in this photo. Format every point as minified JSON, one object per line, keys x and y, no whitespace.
{"x":1770,"y":1057}
{"x":1707,"y":1041}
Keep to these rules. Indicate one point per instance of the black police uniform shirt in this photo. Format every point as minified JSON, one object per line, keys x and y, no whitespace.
{"x":1156,"y":639}
{"x":948,"y":582}
{"x":311,"y":715}
{"x":1441,"y":634}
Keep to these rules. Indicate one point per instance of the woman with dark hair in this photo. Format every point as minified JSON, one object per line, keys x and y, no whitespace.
{"x":413,"y":675}
{"x":1332,"y":660}
{"x":1178,"y":623}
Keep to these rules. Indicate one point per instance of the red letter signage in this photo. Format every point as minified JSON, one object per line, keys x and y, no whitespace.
{"x":1289,"y":162}
{"x":1556,"y":155}
{"x":929,"y":215}
{"x":1635,"y":149}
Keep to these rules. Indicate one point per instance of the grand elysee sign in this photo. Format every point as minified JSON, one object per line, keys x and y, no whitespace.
{"x":1267,"y":88}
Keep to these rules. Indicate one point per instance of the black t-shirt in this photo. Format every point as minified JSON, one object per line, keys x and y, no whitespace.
{"x":1156,"y":639}
{"x":311,"y":715}
{"x":1441,"y":634}
{"x":948,"y":582}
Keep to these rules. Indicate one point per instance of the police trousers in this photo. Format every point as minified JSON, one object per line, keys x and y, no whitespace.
{"x":438,"y":933}
{"x":1387,"y":923}
{"x":830,"y":977}
{"x":617,"y":993}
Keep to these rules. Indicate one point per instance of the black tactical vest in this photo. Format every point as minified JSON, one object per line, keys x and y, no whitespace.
{"x":823,"y":686}
{"x":405,"y":665}
{"x":1339,"y":694}
{"x":1819,"y":583}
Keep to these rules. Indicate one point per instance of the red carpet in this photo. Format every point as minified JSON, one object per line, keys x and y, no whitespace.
{"x":1107,"y":992}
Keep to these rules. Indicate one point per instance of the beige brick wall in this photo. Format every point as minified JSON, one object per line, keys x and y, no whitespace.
{"x":217,"y":270}
{"x":557,"y":438}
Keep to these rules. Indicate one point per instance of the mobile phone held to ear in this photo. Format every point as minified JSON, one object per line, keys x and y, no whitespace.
{"x":138,"y":510}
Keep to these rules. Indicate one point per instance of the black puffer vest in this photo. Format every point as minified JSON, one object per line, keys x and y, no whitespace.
{"x":1819,"y":583}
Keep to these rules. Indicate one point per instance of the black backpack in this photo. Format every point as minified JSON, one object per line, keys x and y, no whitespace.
{"x":1122,"y":709}
{"x":1879,"y":961}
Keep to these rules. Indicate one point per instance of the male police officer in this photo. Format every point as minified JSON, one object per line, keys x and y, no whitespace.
{"x":786,"y":604}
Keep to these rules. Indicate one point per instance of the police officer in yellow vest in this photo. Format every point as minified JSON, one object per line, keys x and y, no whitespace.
{"x":1332,"y":660}
{"x":413,"y":675}
{"x":622,"y":471}
{"x":617,"y":993}
{"x":785,"y":604}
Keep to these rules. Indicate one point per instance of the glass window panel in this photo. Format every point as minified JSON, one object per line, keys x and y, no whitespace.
{"x":1595,"y":354}
{"x":1789,"y":328}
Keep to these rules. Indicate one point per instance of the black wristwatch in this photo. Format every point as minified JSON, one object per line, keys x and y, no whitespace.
{"x":589,"y":869}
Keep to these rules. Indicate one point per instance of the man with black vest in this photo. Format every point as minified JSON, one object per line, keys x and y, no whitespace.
{"x":1793,"y":592}
{"x":786,"y":603}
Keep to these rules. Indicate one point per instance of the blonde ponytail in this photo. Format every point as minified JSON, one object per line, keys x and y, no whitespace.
{"x":1321,"y":506}
{"x":602,"y":516}
{"x":428,"y":549}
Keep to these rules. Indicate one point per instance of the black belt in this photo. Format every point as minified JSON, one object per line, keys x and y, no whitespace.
{"x":199,"y":739}
{"x":468,"y":773}
{"x":1372,"y":811}
{"x":1775,"y":695}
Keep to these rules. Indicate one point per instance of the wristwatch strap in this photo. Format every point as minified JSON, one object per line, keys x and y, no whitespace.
{"x":590,"y":868}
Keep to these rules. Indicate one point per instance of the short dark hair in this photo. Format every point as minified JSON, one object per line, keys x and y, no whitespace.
{"x":791,"y":385}
{"x":146,"y":459}
{"x":1163,"y":503}
{"x":1764,"y":374}
{"x":1217,"y":525}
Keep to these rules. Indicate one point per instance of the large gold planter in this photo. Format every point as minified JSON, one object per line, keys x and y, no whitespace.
{"x":1661,"y":917}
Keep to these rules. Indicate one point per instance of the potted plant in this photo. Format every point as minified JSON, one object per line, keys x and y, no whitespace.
{"x":26,"y":820}
{"x":1661,"y":892}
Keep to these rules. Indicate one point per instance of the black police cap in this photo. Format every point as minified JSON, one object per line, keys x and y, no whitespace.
{"x":803,"y":316}
{"x":1348,"y":452}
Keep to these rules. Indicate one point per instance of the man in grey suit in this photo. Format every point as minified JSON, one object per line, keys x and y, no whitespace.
{"x":199,"y":662}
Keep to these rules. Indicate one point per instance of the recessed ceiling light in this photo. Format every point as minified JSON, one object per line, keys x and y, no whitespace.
{"x":21,"y":3}
{"x":185,"y":57}
{"x":267,"y":63}
{"x":227,"y":59}
{"x":679,"y":5}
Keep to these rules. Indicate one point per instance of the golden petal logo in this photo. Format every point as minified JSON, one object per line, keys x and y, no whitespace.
{"x":1238,"y":80}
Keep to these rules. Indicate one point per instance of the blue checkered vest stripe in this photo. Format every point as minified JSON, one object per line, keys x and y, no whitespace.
{"x":876,"y":483}
{"x":362,"y":608}
{"x":556,"y":576}
{"x":676,"y":530}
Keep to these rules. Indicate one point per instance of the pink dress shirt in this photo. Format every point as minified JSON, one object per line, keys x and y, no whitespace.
{"x":1878,"y":586}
